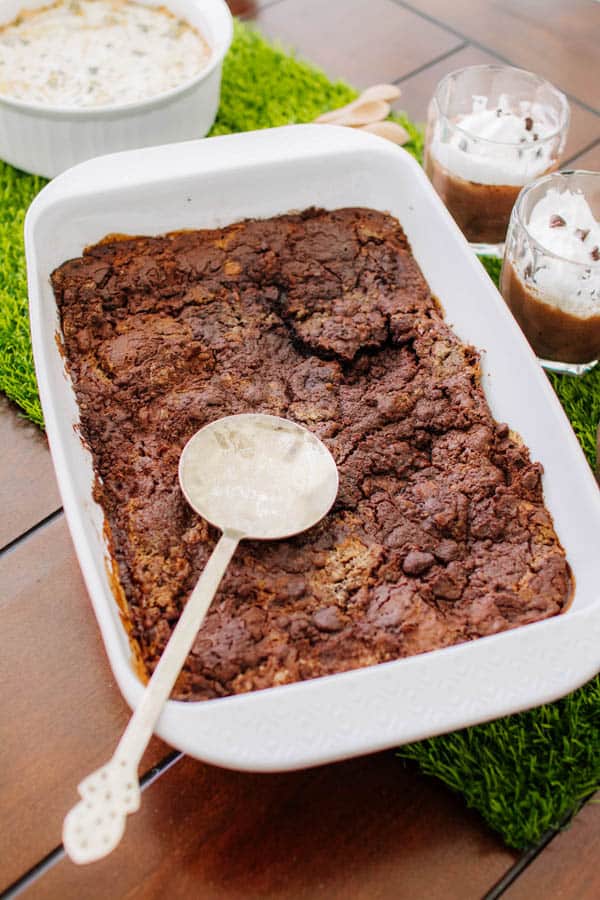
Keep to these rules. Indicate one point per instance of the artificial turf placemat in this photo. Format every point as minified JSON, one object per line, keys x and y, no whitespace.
{"x":524,"y":773}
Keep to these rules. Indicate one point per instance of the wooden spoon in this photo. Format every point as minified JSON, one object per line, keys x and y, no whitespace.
{"x":383,"y":93}
{"x":387,"y":92}
{"x":360,"y":112}
{"x":392,"y":131}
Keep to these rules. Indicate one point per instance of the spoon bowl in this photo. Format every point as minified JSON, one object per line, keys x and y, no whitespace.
{"x":258,"y":476}
{"x":392,"y":131}
{"x":372,"y":105}
{"x":359,"y":112}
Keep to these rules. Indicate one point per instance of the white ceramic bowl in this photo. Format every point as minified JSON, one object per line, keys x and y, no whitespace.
{"x":211,"y":183}
{"x":47,"y":140}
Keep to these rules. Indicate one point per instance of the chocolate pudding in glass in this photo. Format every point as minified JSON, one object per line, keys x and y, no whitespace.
{"x":551,"y":272}
{"x":491,"y":130}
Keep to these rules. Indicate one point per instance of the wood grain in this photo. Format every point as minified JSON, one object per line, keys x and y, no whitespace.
{"x":58,"y":694}
{"x":367,"y":829}
{"x":568,"y":868}
{"x":357,"y":41}
{"x":556,"y":38}
{"x":28,"y":491}
{"x":418,"y":89}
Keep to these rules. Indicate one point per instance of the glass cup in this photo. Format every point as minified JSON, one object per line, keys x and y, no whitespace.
{"x":491,"y":130}
{"x":555,"y":296}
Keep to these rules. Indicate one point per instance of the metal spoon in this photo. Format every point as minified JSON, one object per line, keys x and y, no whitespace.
{"x":253,"y":476}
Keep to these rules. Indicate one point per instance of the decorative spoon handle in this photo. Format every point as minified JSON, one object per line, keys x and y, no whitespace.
{"x":96,"y":824}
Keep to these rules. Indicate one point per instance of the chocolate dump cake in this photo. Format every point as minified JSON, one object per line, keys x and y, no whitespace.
{"x":439,"y":533}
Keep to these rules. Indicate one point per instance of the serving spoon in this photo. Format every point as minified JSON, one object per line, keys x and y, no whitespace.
{"x":253,"y":476}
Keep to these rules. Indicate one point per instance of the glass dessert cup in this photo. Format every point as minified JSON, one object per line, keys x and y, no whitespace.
{"x":490,"y":131}
{"x":555,"y":296}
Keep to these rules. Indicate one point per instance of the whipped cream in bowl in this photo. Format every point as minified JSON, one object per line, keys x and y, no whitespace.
{"x":495,"y":145}
{"x":551,"y":272}
{"x":563,"y":223}
{"x":491,"y":130}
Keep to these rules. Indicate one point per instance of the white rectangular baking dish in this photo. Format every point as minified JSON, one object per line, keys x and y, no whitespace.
{"x":221,"y":180}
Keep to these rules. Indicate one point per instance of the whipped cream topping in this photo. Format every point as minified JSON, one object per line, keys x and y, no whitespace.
{"x":89,"y":53}
{"x":497,"y":145}
{"x":563,"y":223}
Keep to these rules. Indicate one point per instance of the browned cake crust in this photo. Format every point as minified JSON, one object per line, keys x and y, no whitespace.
{"x":439,"y":534}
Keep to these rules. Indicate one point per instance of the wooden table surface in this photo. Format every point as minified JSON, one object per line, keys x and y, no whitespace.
{"x":369,"y":828}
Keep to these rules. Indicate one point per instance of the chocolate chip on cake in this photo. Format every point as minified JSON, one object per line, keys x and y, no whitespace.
{"x":415,"y":562}
{"x":328,"y":619}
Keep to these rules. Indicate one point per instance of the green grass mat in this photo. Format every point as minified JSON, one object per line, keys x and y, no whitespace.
{"x":524,"y":773}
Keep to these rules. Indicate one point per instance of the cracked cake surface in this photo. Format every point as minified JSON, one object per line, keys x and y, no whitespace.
{"x":439,"y":534}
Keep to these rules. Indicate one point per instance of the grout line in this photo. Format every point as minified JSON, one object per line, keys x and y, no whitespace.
{"x":475,"y":43}
{"x":16,"y":542}
{"x":40,"y":868}
{"x":55,"y":856}
{"x":153,"y":774}
{"x":432,"y":62}
{"x":432,"y":20}
{"x":579,"y":153}
{"x":517,"y":869}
